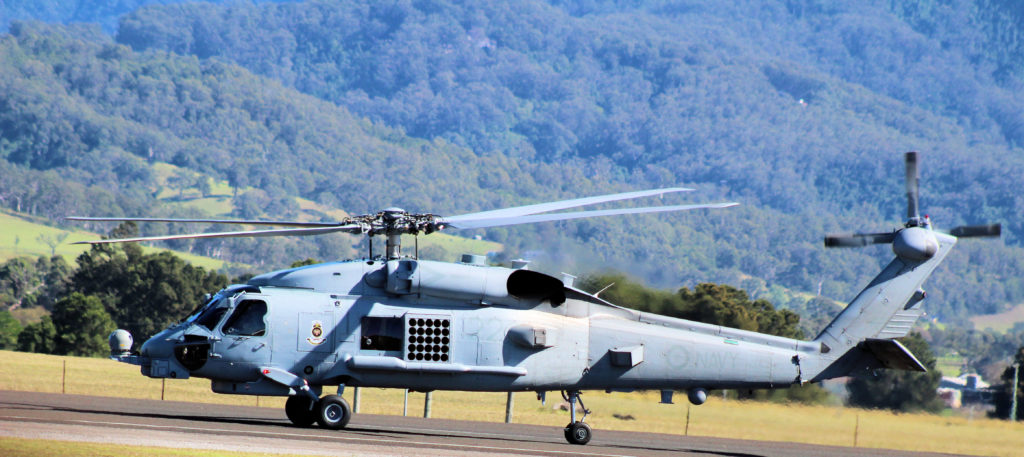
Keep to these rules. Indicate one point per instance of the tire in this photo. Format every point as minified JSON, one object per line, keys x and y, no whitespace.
{"x":333,"y":412}
{"x":299,"y":410}
{"x":578,"y":433}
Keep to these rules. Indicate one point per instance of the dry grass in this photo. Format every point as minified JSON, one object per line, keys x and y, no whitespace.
{"x":1001,"y":322}
{"x":20,"y":447}
{"x":721,"y":418}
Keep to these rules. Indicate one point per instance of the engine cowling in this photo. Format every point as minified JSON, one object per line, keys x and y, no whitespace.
{"x":475,"y":283}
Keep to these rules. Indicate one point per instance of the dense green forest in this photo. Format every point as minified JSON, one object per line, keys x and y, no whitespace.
{"x":798,"y":110}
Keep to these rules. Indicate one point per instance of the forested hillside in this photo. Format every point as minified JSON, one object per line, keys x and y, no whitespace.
{"x":799,"y":110}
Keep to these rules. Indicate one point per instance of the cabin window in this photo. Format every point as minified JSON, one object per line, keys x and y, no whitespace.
{"x":382,"y":333}
{"x":247,"y":320}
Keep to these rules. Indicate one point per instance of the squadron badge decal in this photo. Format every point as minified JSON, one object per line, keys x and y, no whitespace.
{"x":317,"y":333}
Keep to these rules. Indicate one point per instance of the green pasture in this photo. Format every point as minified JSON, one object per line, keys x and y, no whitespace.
{"x":21,"y":236}
{"x":639,"y":411}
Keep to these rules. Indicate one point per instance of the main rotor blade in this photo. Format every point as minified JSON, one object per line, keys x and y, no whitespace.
{"x":912,"y":179}
{"x":352,"y":228}
{"x":856,"y":240}
{"x":965,"y":231}
{"x":204,"y":221}
{"x":559,"y":205}
{"x":531,"y":218}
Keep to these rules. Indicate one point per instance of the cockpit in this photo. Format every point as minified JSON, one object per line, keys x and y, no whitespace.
{"x":210,"y":313}
{"x":228,"y":313}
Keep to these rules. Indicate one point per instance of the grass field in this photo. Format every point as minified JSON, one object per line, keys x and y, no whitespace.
{"x":18,"y":447}
{"x":1000,"y":322}
{"x":22,"y":236}
{"x":949,"y":365}
{"x":828,"y":425}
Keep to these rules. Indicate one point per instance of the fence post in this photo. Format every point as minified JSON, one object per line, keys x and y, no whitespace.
{"x":163,"y":387}
{"x":509,"y":404}
{"x":687,"y":431}
{"x":856,"y":430}
{"x":355,"y":400}
{"x":64,"y":377}
{"x":426,"y":404}
{"x":405,"y":403}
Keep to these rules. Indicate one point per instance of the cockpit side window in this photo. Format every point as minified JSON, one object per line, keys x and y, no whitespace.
{"x":212,"y":314}
{"x":247,"y":320}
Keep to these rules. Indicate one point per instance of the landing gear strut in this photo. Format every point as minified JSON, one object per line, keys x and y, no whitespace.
{"x":577,"y":432}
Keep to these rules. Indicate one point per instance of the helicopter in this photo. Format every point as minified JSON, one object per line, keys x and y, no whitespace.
{"x":395,"y":321}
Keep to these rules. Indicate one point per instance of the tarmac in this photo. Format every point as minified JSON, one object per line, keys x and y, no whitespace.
{"x":250,"y":429}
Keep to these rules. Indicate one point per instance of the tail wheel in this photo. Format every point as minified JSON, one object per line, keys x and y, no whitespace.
{"x":334,"y":412}
{"x":300,"y":410}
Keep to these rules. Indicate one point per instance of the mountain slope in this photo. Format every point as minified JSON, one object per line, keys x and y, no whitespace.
{"x":450,"y":107}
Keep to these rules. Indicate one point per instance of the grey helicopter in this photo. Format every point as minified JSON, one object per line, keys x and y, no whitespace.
{"x":397,"y":321}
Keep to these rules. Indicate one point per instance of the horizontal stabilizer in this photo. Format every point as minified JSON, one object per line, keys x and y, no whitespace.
{"x":892,"y":355}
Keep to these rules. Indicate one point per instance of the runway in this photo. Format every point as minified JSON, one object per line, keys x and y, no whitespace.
{"x":241,"y":428}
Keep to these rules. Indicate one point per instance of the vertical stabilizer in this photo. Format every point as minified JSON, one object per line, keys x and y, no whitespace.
{"x":863,"y":335}
{"x":886,"y":309}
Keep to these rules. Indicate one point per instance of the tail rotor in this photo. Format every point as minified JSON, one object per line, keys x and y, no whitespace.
{"x":914,"y":239}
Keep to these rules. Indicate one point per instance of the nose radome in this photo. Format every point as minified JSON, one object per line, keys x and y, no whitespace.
{"x":158,"y":347}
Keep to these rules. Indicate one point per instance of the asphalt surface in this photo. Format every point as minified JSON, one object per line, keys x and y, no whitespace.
{"x":241,"y":428}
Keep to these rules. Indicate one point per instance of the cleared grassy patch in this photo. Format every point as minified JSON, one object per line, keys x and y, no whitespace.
{"x":949,"y":365}
{"x":721,"y":418}
{"x":449,"y":247}
{"x":20,"y":236}
{"x":1001,"y":322}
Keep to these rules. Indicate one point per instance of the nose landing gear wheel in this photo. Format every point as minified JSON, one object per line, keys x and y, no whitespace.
{"x":300,"y":410}
{"x":334,"y":412}
{"x":577,"y":433}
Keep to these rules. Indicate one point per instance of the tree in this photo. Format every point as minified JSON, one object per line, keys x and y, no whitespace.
{"x":144,"y":293}
{"x":205,"y":188}
{"x":1004,"y":393}
{"x":53,"y":240}
{"x":10,"y":328}
{"x":900,"y":390}
{"x":82,"y":326}
{"x":38,"y":337}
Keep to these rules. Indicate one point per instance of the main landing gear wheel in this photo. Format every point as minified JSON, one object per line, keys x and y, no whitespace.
{"x":334,"y":412}
{"x":300,"y":410}
{"x":577,"y":432}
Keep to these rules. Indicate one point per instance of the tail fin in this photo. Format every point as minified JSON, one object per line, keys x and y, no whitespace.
{"x":861,"y":336}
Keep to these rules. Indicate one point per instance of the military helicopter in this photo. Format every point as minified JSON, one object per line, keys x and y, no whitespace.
{"x":400,"y":322}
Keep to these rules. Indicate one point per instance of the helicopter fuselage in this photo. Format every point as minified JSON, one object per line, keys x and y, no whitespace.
{"x":428,"y":325}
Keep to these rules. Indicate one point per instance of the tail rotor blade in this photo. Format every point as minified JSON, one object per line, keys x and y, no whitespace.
{"x":912,"y":185}
{"x":990,"y":230}
{"x":856,"y":240}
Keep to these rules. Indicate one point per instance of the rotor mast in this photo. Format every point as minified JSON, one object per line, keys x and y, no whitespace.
{"x":395,"y":222}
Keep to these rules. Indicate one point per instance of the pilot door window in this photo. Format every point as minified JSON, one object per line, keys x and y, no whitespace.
{"x":248,"y":319}
{"x":381,"y":334}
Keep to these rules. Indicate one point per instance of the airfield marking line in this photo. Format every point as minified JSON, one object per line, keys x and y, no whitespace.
{"x":306,"y":435}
